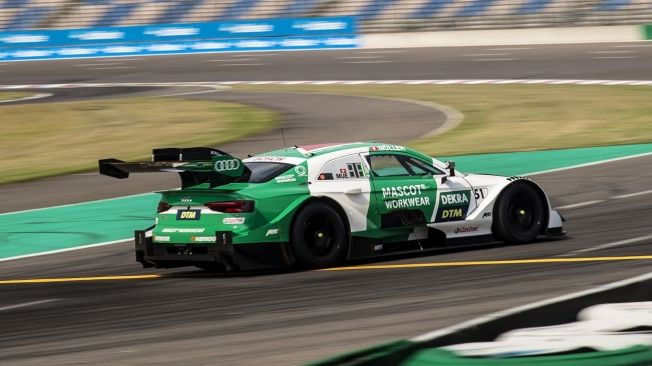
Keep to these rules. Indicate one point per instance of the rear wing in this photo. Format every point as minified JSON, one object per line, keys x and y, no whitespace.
{"x":195,"y":165}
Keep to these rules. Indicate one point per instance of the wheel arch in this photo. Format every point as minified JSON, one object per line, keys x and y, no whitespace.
{"x":329,"y":201}
{"x":542,"y":196}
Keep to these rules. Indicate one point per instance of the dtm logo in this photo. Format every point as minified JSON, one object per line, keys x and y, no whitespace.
{"x":453,"y":213}
{"x":188,"y":215}
{"x":453,"y":206}
{"x":226,"y":165}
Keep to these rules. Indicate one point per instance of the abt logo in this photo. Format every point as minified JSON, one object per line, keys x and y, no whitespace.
{"x":188,"y":215}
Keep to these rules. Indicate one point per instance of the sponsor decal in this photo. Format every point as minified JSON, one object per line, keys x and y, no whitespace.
{"x":285,"y":178}
{"x":486,"y":214}
{"x":300,"y":170}
{"x":299,"y":43}
{"x":165,"y":47}
{"x":255,"y":44}
{"x":325,"y":176}
{"x":210,"y":45}
{"x":412,"y":192}
{"x":267,"y":158}
{"x":188,"y":214}
{"x":203,"y":239}
{"x":341,"y":41}
{"x":226,"y":165}
{"x":466,"y":229}
{"x":453,"y":205}
{"x":387,"y":148}
{"x":121,"y":49}
{"x":342,"y":174}
{"x":319,"y":25}
{"x":26,"y":38}
{"x":186,"y":200}
{"x":31,"y":53}
{"x":96,"y":36}
{"x":76,"y":51}
{"x":271,"y":232}
{"x":401,"y":191}
{"x":247,"y":28}
{"x":161,"y":238}
{"x":183,"y":230}
{"x":172,"y":32}
{"x":233,"y":220}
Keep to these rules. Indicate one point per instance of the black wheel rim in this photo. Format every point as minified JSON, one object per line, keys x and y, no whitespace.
{"x":522,"y":214}
{"x":320,"y":235}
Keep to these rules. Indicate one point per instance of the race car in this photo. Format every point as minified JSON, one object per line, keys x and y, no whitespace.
{"x":317,"y":205}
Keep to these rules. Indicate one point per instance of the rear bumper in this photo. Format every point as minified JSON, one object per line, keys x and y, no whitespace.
{"x":223,"y":251}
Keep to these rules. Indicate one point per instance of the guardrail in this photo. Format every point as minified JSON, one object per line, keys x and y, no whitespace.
{"x":254,"y":35}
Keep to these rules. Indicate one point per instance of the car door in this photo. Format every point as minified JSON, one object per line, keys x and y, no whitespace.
{"x":404,"y":193}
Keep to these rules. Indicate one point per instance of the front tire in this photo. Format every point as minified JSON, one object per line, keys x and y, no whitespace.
{"x":519,"y":214}
{"x":319,"y":237}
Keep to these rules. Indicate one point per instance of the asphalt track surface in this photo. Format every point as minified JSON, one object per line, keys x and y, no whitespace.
{"x":291,"y":317}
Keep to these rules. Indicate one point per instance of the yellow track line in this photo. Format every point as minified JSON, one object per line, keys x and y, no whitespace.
{"x":79,"y":279}
{"x":491,"y":263}
{"x":356,"y":268}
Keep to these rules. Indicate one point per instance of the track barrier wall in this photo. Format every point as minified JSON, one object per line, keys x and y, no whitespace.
{"x":242,"y":35}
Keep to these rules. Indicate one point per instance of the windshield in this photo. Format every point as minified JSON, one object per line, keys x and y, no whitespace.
{"x":263,"y":171}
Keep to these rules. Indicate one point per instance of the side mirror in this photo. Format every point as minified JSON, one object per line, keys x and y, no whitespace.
{"x":450,"y":165}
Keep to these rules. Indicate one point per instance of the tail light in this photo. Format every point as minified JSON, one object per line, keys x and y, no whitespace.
{"x":163,"y":206}
{"x":231,"y":206}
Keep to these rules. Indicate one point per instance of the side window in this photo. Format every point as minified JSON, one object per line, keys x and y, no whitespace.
{"x":348,"y":167}
{"x":420,"y":168}
{"x":399,"y":166}
{"x":387,"y":166}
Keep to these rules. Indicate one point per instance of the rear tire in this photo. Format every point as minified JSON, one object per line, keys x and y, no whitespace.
{"x":319,"y":237}
{"x":518,"y":214}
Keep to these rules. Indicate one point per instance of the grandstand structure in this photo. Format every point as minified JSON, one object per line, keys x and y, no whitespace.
{"x":372,"y":15}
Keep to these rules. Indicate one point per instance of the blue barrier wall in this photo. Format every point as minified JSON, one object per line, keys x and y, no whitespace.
{"x":254,"y":35}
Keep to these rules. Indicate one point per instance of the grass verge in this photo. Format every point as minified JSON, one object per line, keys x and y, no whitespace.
{"x":13,"y":95}
{"x":503,"y":118}
{"x":39,"y":140}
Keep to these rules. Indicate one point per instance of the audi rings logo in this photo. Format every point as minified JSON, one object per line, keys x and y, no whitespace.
{"x":226,"y":165}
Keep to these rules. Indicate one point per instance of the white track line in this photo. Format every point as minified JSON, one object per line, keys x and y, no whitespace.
{"x":519,"y":309}
{"x":485,"y":54}
{"x":66,"y":249}
{"x":31,"y":97}
{"x":607,"y":245}
{"x":26,"y":304}
{"x":581,"y":204}
{"x":632,"y":194}
{"x":495,"y":59}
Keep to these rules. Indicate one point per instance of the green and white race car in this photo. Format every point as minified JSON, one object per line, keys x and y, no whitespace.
{"x":320,"y":204}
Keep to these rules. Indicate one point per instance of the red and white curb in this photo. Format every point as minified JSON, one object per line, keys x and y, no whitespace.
{"x":337,"y":82}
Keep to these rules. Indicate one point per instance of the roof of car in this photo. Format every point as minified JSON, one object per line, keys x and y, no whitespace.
{"x":309,"y":151}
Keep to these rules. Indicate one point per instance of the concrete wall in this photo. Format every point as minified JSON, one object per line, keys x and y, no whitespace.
{"x":626,"y":33}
